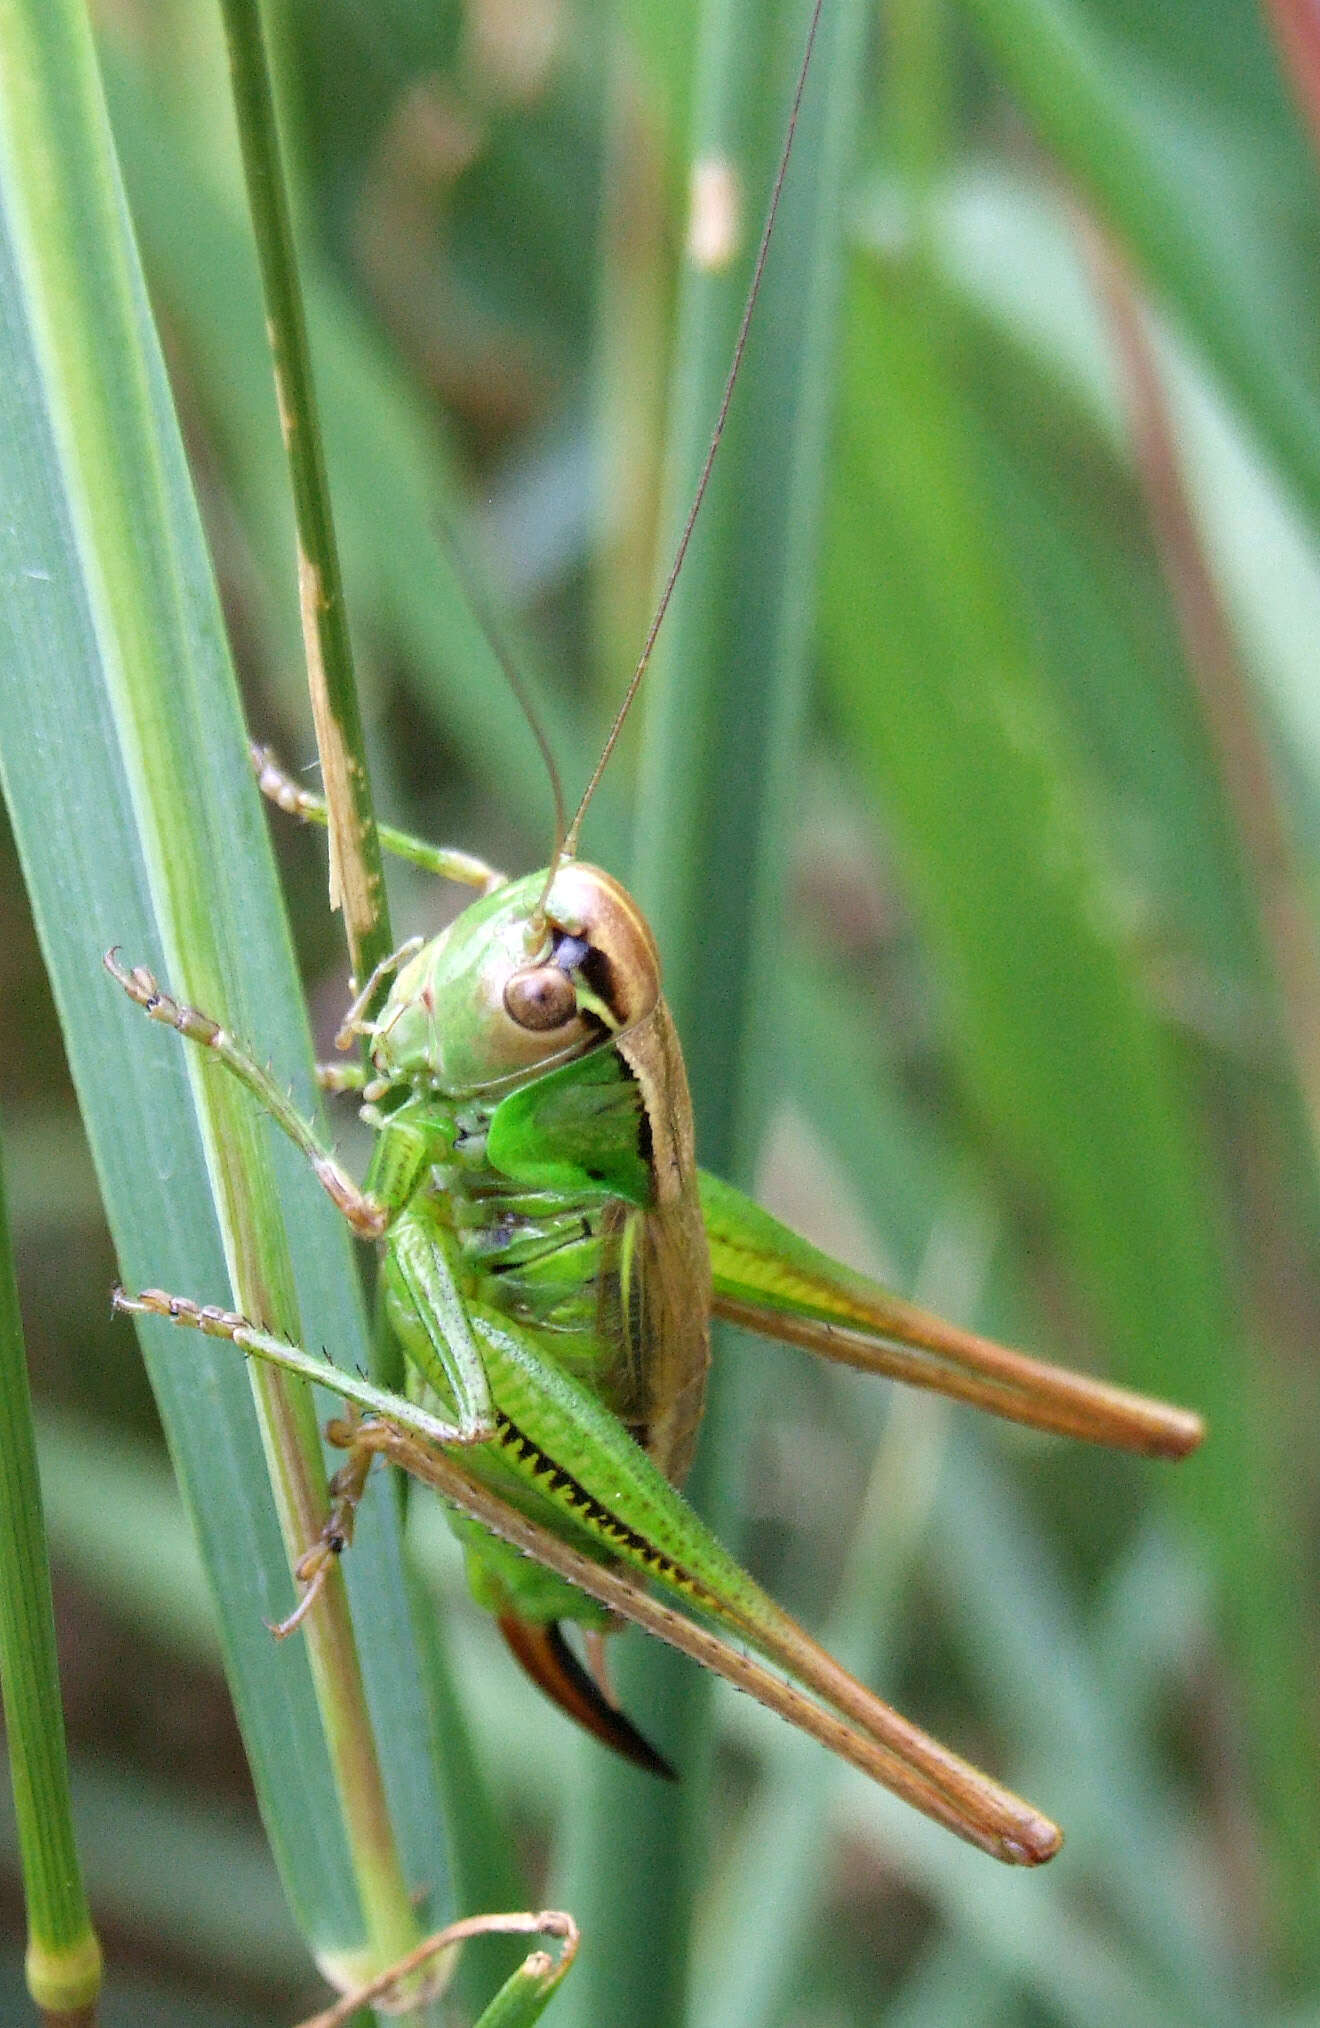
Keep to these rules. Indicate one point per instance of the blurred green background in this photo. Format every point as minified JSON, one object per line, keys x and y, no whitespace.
{"x":1038,"y":1034}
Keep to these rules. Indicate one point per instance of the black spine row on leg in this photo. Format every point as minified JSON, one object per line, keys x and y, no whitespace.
{"x":546,"y":1656}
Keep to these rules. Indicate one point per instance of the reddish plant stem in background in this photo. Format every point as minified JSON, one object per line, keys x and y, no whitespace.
{"x":1288,"y":935}
{"x":1296,"y":26}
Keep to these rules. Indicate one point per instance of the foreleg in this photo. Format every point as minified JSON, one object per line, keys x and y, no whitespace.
{"x":445,"y":860}
{"x":364,"y":1213}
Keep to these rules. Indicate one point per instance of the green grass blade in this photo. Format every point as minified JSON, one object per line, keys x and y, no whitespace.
{"x":1057,"y":1040}
{"x":63,"y":1955}
{"x":357,"y":884}
{"x":528,"y":1991}
{"x":125,"y":771}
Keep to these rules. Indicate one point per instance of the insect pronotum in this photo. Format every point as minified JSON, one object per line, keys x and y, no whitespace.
{"x":552,"y":1259}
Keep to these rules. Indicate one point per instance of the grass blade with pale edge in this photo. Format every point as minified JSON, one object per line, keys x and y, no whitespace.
{"x":63,"y":1955}
{"x":484,"y":1875}
{"x":126,"y":773}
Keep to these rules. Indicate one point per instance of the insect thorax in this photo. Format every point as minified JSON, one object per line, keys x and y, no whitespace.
{"x":538,"y":1257}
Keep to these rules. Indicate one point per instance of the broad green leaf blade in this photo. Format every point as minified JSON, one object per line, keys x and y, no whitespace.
{"x":88,"y":884}
{"x":79,"y":600}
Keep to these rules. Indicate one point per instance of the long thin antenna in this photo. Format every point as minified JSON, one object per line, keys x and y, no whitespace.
{"x":495,"y":641}
{"x":754,"y":290}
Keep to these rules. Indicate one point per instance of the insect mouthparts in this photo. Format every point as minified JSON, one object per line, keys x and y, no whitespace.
{"x":570,"y":952}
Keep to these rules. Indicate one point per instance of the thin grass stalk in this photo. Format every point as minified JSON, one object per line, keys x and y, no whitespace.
{"x":125,"y":774}
{"x":357,"y":881}
{"x":521,"y":2000}
{"x":357,"y":884}
{"x":63,"y":1961}
{"x":393,"y":484}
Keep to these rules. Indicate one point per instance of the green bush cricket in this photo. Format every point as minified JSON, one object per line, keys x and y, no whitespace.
{"x":553,"y":1258}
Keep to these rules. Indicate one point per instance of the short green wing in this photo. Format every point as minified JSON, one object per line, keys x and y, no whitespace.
{"x":771,"y":1280}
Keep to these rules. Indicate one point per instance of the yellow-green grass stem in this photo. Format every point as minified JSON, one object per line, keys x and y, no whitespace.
{"x":393,"y":482}
{"x":357,"y":883}
{"x":63,"y":1954}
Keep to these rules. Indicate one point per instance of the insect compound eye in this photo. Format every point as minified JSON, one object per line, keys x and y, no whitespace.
{"x":541,"y":998}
